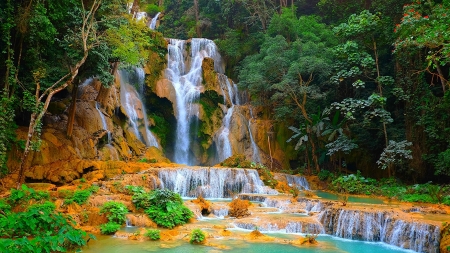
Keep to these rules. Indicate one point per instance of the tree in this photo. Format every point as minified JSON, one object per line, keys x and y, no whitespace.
{"x":39,"y":102}
{"x":425,"y":26}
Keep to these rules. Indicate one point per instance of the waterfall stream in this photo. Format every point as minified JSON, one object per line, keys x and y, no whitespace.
{"x":185,"y":74}
{"x":152,"y":24}
{"x":133,"y":106}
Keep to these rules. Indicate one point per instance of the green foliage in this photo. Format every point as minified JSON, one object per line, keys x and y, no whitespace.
{"x":197,"y":236}
{"x":152,"y":9}
{"x":38,"y":229}
{"x":166,"y":208}
{"x":265,"y":174}
{"x":109,"y":228}
{"x":7,"y":128}
{"x":354,"y":184}
{"x":115,"y":211}
{"x":236,"y":161}
{"x":25,"y":194}
{"x":324,"y":175}
{"x":161,"y":128}
{"x":153,"y":234}
{"x":79,"y":196}
{"x":395,"y":153}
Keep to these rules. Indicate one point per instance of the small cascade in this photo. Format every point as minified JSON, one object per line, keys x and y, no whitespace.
{"x":222,"y":137}
{"x":185,"y":74}
{"x":152,"y":24}
{"x":128,"y":223}
{"x":255,"y":155}
{"x":133,"y":106}
{"x":104,"y":125}
{"x":304,"y":227}
{"x":293,"y":180}
{"x":220,"y":212}
{"x":212,"y":182}
{"x":140,"y":16}
{"x":380,"y":226}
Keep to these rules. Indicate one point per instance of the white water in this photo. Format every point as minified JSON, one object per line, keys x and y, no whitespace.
{"x":153,"y":22}
{"x":381,"y":226}
{"x":140,"y":16}
{"x":133,"y":106}
{"x":104,"y":124}
{"x":185,"y":74}
{"x":212,"y":182}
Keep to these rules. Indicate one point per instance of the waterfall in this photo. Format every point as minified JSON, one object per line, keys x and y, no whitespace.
{"x":153,"y":22}
{"x":185,"y":74}
{"x":133,"y":106}
{"x":103,"y":120}
{"x":223,"y":144}
{"x":212,"y":182}
{"x":381,"y":226}
{"x":293,"y":180}
{"x":140,"y":16}
{"x":255,"y":154}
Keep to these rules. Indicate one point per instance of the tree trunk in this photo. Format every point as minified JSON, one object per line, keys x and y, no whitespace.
{"x":72,"y":110}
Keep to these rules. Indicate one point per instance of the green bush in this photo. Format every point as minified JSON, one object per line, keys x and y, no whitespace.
{"x":109,"y":228}
{"x":115,"y":211}
{"x":324,"y":175}
{"x":197,"y":236}
{"x":265,"y":174}
{"x":24,"y":194}
{"x":237,"y":161}
{"x":354,"y":184}
{"x":153,"y":234}
{"x":152,"y":9}
{"x":38,"y":229}
{"x":165,"y":208}
{"x":78,"y":196}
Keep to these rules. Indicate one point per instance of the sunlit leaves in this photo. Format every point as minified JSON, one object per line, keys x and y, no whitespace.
{"x":395,"y":153}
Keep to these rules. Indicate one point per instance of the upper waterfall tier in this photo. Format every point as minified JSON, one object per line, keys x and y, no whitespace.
{"x":184,"y":71}
{"x":212,"y":182}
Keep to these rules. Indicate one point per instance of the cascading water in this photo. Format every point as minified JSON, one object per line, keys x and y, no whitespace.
{"x":103,"y":120}
{"x":133,"y":106}
{"x":212,"y":182}
{"x":186,"y":77}
{"x":153,"y":22}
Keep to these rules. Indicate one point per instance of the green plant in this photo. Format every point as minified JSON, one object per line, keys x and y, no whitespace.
{"x":39,"y":228}
{"x":143,"y":160}
{"x":265,"y":174}
{"x":83,"y":180}
{"x":115,"y":211}
{"x":164,"y":207}
{"x":79,"y":196}
{"x":324,"y":175}
{"x":197,"y":236}
{"x":354,"y":184}
{"x":24,"y":194}
{"x":109,"y":228}
{"x":153,"y":234}
{"x":152,"y":9}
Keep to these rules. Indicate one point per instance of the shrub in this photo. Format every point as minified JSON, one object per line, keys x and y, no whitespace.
{"x":237,"y":161}
{"x":265,"y":174}
{"x":324,"y":175}
{"x":164,"y":207}
{"x":115,"y":211}
{"x":354,"y":184}
{"x":197,"y":236}
{"x":239,"y":208}
{"x":25,"y":194}
{"x":79,"y":196}
{"x":153,"y":234}
{"x":152,"y":9}
{"x":39,"y":225}
{"x":109,"y":228}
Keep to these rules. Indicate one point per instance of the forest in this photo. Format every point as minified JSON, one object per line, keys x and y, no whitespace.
{"x":359,"y":84}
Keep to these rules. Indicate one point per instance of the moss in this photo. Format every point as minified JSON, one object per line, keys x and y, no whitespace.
{"x":156,"y":61}
{"x":161,"y":128}
{"x":238,"y":160}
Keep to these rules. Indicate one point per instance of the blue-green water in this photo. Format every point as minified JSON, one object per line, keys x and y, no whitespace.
{"x":327,"y":244}
{"x":353,"y":199}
